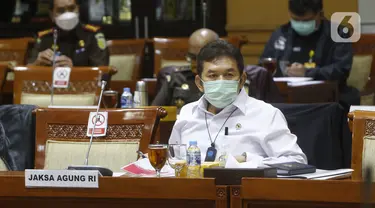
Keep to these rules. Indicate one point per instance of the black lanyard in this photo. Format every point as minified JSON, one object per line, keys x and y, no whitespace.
{"x":208,"y":130}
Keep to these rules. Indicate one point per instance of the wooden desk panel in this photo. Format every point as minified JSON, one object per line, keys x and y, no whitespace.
{"x":266,"y":193}
{"x":315,"y":93}
{"x":115,"y":192}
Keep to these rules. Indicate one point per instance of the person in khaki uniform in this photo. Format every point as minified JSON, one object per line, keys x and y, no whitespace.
{"x":77,"y":44}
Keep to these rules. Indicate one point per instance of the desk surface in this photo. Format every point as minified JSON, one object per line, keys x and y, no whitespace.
{"x":115,"y":192}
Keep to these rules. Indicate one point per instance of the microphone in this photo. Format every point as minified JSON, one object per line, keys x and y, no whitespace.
{"x":53,"y":61}
{"x":103,"y":171}
{"x":204,"y":11}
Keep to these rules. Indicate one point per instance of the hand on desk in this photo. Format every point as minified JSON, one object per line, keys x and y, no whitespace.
{"x":63,"y":61}
{"x":45,"y":58}
{"x":296,"y":70}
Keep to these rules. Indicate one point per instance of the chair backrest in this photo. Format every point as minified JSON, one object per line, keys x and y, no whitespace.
{"x":362,"y":125}
{"x":322,"y":131}
{"x":127,"y":57}
{"x":172,"y":51}
{"x":62,"y":140}
{"x":3,"y":72}
{"x":15,"y":50}
{"x":32,"y":85}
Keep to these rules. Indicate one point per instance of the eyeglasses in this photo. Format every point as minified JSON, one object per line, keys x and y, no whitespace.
{"x":190,"y":57}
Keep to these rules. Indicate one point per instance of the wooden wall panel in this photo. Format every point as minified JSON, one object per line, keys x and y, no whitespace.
{"x":256,"y":20}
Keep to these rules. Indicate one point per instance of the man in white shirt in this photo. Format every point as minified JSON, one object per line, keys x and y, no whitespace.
{"x":226,"y":119}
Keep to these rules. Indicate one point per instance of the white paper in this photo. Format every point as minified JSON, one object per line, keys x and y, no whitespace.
{"x":292,"y":79}
{"x":73,"y":106}
{"x":145,"y":164}
{"x":361,"y":108}
{"x":101,"y":124}
{"x":233,"y":163}
{"x":321,"y":174}
{"x":296,"y":84}
{"x":61,"y":77}
{"x":118,"y":174}
{"x":62,"y":178}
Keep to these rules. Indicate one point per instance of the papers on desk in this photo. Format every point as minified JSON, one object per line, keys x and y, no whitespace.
{"x":233,"y":163}
{"x":292,"y":79}
{"x":297,"y":81}
{"x":143,"y":168}
{"x":323,"y":174}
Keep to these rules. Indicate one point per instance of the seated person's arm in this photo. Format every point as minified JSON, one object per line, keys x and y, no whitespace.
{"x":269,"y":49}
{"x":98,"y":51}
{"x":164,"y":96}
{"x":279,"y":144}
{"x":339,"y":69}
{"x":40,"y":58}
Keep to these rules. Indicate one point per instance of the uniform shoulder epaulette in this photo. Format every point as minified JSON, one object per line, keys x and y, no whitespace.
{"x":44,"y":32}
{"x":91,"y":28}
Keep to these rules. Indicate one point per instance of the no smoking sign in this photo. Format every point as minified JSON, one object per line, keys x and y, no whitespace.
{"x":101,"y":124}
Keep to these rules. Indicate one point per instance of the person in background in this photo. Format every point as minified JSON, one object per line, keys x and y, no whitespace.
{"x":227,"y":119}
{"x":77,"y":44}
{"x":304,"y":48}
{"x":176,"y":85}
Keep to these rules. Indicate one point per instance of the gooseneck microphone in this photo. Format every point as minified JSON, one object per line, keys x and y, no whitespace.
{"x":103,"y":171}
{"x":53,"y":61}
{"x":104,"y":83}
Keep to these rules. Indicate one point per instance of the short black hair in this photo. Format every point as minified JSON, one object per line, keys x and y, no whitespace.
{"x":52,"y":4}
{"x":302,"y":7}
{"x":216,"y":49}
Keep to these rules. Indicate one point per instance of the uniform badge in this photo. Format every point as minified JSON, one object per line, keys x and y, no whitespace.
{"x":38,"y":40}
{"x":55,"y":47}
{"x":179,"y":103}
{"x":280,"y":43}
{"x":81,"y":43}
{"x":185,"y":86}
{"x":101,"y":41}
{"x":238,"y":126}
{"x":310,"y":64}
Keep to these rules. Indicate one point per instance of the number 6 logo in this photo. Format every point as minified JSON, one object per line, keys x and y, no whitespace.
{"x":345,"y":27}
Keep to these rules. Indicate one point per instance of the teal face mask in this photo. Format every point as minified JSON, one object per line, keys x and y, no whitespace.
{"x":221,"y":93}
{"x":303,"y":28}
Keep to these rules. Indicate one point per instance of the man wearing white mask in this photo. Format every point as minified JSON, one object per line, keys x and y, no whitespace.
{"x":226,"y":119}
{"x":77,"y":44}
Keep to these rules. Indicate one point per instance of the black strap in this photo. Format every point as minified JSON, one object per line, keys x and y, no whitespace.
{"x":208,"y":130}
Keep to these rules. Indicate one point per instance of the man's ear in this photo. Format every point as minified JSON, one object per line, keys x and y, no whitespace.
{"x":243,"y":79}
{"x":198,"y":82}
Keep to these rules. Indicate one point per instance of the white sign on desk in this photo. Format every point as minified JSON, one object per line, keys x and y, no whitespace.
{"x":62,"y":178}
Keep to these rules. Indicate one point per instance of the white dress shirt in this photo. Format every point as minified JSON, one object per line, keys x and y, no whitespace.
{"x":255,"y":128}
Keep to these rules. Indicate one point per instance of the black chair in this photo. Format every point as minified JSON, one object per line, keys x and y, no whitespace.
{"x":323,"y":133}
{"x":17,"y":136}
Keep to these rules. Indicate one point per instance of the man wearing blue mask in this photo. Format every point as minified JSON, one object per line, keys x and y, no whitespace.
{"x":226,"y":120}
{"x":304,"y":48}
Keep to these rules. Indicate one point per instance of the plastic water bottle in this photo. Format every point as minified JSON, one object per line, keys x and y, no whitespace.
{"x":126,"y":98}
{"x":193,"y":160}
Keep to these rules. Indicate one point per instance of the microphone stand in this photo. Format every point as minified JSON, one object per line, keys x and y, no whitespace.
{"x":53,"y":62}
{"x":103,"y":171}
{"x":96,"y":118}
{"x":367,"y":185}
{"x":204,"y":10}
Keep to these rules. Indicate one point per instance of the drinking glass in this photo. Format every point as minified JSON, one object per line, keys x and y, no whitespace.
{"x":110,"y":99}
{"x":177,"y":157}
{"x":269,"y":64}
{"x":158,"y":156}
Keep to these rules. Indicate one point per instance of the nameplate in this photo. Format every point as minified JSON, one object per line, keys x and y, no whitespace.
{"x":61,"y":178}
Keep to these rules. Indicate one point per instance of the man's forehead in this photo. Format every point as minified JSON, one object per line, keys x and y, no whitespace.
{"x":64,"y":3}
{"x":220,"y":64}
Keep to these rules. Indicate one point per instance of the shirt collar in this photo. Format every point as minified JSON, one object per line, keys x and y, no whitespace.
{"x":240,"y":103}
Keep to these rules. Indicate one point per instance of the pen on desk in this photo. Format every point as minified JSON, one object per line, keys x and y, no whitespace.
{"x":141,"y":154}
{"x":226,"y":131}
